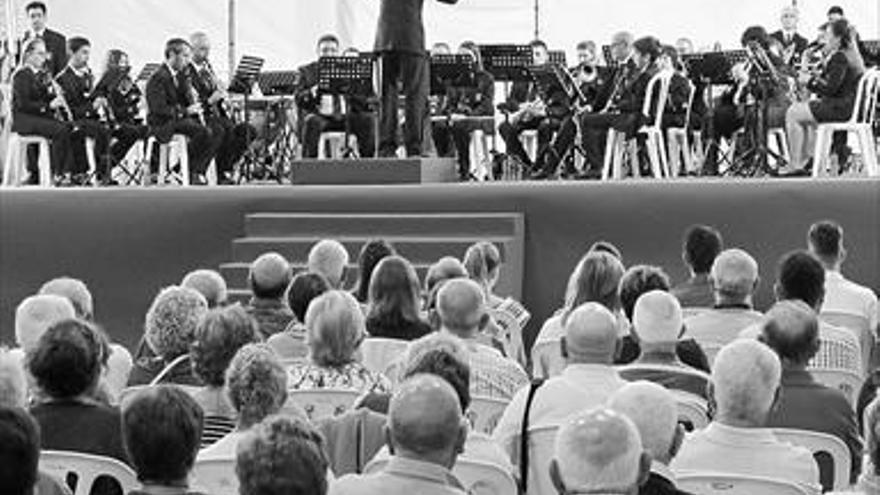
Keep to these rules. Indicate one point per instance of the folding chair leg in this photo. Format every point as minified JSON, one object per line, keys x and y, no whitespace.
{"x":610,"y":143}
{"x":869,"y":152}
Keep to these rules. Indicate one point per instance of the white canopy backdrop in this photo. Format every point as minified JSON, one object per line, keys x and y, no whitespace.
{"x":284,"y":31}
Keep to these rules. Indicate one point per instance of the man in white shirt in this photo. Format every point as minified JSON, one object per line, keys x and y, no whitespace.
{"x":744,"y":389}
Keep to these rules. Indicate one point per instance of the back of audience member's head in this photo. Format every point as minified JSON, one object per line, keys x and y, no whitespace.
{"x":444,"y":356}
{"x":36,"y":314}
{"x":483,"y":263}
{"x":329,"y":258}
{"x":209,"y":284}
{"x":702,"y":244}
{"x":825,"y":240}
{"x":171,"y":321}
{"x":67,"y":361}
{"x":599,"y":451}
{"x":269,"y":276}
{"x":653,"y":410}
{"x":657,"y":319}
{"x":282,"y":456}
{"x":871,"y":432}
{"x":19,"y":451}
{"x":801,"y":276}
{"x":446,"y":268}
{"x":639,"y":280}
{"x":461,"y":307}
{"x":606,"y":247}
{"x":220,"y":334}
{"x":745,"y":383}
{"x":595,"y":279}
{"x":304,"y":288}
{"x":371,"y":254}
{"x":256,"y":384}
{"x":425,"y":421}
{"x":394,"y":291}
{"x":335,"y":329}
{"x":13,"y":383}
{"x":734,"y":277}
{"x":590,"y":335}
{"x":791,"y":328}
{"x":162,"y":431}
{"x":75,"y":291}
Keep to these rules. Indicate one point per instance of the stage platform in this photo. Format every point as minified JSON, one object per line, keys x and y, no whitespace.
{"x":129,"y":243}
{"x":374,"y":171}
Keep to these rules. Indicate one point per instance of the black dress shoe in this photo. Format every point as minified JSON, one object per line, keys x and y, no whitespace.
{"x":540,"y":174}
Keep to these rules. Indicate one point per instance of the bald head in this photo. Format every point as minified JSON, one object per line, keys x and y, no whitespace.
{"x":652,"y":408}
{"x":461,"y":305}
{"x":269,"y":276}
{"x":209,"y":284}
{"x":37,"y":314}
{"x":657,"y":318}
{"x":425,"y":420}
{"x":598,"y":451}
{"x":201,"y":46}
{"x":791,"y":328}
{"x":590,"y":335}
{"x":745,"y":378}
{"x":74,"y":291}
{"x":734,"y":276}
{"x":329,"y":258}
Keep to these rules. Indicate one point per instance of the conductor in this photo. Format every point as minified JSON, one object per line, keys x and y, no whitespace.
{"x":400,"y":44}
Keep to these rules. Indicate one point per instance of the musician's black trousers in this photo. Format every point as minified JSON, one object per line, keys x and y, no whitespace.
{"x":594,"y":128}
{"x":510,"y":133}
{"x":201,"y":143}
{"x":361,"y":125}
{"x":458,"y":133}
{"x":412,"y":70}
{"x":57,"y":132}
{"x":230,"y":141}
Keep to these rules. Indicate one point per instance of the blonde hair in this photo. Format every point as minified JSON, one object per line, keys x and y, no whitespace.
{"x":335,"y":328}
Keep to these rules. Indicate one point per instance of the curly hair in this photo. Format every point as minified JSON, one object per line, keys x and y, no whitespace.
{"x":639,"y":280}
{"x":220,"y":334}
{"x":172,"y":319}
{"x":256,"y":384}
{"x":282,"y":456}
{"x":68,"y":358}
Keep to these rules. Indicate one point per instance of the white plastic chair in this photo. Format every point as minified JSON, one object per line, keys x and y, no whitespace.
{"x":87,"y":469}
{"x":15,"y":165}
{"x":330,"y":144}
{"x":817,"y":443}
{"x":542,"y":440}
{"x":677,"y":139}
{"x":547,"y":360}
{"x":380,"y":353}
{"x":529,"y":139}
{"x":777,"y":137}
{"x":846,"y":381}
{"x":692,"y":311}
{"x":215,"y":476}
{"x":178,"y":144}
{"x":859,"y":124}
{"x":485,"y":412}
{"x":860,"y":326}
{"x":323,"y":403}
{"x":478,"y":478}
{"x":692,"y":409}
{"x":733,"y":484}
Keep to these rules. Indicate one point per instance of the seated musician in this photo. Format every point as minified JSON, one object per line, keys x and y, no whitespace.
{"x":34,"y":108}
{"x":464,"y":107}
{"x":836,"y":87}
{"x":174,"y":109}
{"x":325,"y":112}
{"x":791,"y":42}
{"x":529,"y":110}
{"x":675,"y":113}
{"x":230,"y":140}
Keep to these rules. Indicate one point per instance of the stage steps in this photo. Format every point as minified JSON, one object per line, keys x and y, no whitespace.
{"x":421,"y":238}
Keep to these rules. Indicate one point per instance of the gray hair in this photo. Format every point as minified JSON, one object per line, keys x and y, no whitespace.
{"x":208,"y":283}
{"x":734,"y":274}
{"x":256,"y":384}
{"x":171,"y":322}
{"x":36,"y":314}
{"x":745,"y":378}
{"x":76,"y":291}
{"x":652,"y":408}
{"x":335,"y":328}
{"x":329,"y":258}
{"x":13,"y":384}
{"x":424,"y":415}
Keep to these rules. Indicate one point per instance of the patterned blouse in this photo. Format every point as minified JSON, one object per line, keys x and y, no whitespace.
{"x":352,"y":376}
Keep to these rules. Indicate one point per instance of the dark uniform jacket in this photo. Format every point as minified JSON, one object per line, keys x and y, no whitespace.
{"x":400,"y":26}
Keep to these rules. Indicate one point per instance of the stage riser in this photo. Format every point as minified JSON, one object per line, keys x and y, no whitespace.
{"x":377,"y":171}
{"x":236,"y":274}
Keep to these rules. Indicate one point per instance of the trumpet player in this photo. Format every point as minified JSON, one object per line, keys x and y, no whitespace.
{"x":34,"y":107}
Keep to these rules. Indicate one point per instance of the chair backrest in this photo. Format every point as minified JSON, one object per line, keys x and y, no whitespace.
{"x":485,"y":412}
{"x":542,"y":440}
{"x":692,"y":311}
{"x":711,"y":349}
{"x":323,"y":403}
{"x":81,"y":470}
{"x":821,"y":445}
{"x":379,"y":353}
{"x":693,"y":411}
{"x":846,"y":381}
{"x":859,"y":325}
{"x":215,"y":476}
{"x":865,"y":106}
{"x":547,"y":360}
{"x":478,"y":478}
{"x":732,"y":484}
{"x":659,"y":85}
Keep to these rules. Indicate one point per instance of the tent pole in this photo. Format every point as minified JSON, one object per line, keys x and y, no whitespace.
{"x":231,"y":34}
{"x":537,"y":19}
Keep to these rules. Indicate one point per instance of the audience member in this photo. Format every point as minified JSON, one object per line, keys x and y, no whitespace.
{"x":281,"y":456}
{"x":426,"y":433}
{"x":162,"y":427}
{"x":13,"y":382}
{"x":702,"y":244}
{"x":653,"y":410}
{"x":446,"y":268}
{"x":169,"y":329}
{"x":791,"y":329}
{"x":598,"y":451}
{"x":393,"y":310}
{"x":743,"y":391}
{"x":335,"y":326}
{"x":20,"y":456}
{"x":220,"y":334}
{"x":657,"y":323}
{"x":461,"y":306}
{"x":209,"y":284}
{"x":483,"y":264}
{"x":588,"y":380}
{"x":330,"y":259}
{"x":66,"y":364}
{"x":290,"y":345}
{"x":606,"y":247}
{"x":256,"y":386}
{"x":268,"y":279}
{"x":638,"y":280}
{"x":34,"y":316}
{"x":869,"y":481}
{"x":371,"y":254}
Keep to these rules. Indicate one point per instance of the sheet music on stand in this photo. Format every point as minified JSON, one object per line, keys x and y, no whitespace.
{"x":246,"y":73}
{"x":714,"y":67}
{"x":278,"y":83}
{"x":610,"y":62}
{"x":350,"y":76}
{"x":507,"y":62}
{"x":147,"y":72}
{"x":457,"y":71}
{"x":871,"y":52}
{"x":557,"y":57}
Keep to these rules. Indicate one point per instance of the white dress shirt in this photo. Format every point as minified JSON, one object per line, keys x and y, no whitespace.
{"x":401,"y":477}
{"x":844,"y":296}
{"x":721,"y":325}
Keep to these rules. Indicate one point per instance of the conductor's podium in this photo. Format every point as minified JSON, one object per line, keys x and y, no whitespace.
{"x":374,"y":171}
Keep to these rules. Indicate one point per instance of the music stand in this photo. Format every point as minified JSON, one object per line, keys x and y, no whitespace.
{"x":458,"y":71}
{"x":346,"y":77}
{"x":609,"y":58}
{"x":278,"y":83}
{"x":246,"y":73}
{"x":871,"y":52}
{"x":507,"y":62}
{"x":557,"y":57}
{"x":147,"y":72}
